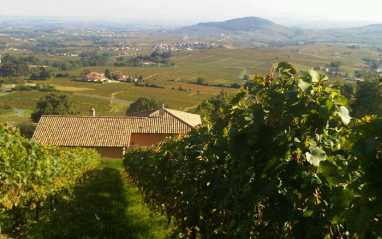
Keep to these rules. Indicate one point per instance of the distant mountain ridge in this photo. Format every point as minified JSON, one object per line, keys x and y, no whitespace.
{"x":247,"y":28}
{"x":257,"y":29}
{"x":241,"y":24}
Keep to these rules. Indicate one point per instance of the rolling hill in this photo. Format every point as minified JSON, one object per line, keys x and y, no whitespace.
{"x":255,"y":29}
{"x":248,"y":28}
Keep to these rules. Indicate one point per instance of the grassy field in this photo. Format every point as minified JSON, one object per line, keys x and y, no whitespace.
{"x":27,"y":100}
{"x":106,"y":206}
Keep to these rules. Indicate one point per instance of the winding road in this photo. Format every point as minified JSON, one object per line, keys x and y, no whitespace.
{"x":6,"y":91}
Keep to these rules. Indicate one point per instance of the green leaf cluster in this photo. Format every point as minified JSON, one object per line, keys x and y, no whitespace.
{"x":284,"y":161}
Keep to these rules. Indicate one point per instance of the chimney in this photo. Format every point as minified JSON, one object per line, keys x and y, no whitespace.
{"x":92,"y":112}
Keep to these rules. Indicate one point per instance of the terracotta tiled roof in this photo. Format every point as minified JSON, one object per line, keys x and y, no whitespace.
{"x":188,"y":118}
{"x":109,"y":131}
{"x":83,"y":131}
{"x":144,"y":113}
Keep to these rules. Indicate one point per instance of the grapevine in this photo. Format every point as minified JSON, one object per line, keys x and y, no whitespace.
{"x":31,"y":173}
{"x":286,"y":160}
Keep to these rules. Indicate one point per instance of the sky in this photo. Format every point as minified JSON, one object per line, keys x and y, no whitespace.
{"x":194,"y":11}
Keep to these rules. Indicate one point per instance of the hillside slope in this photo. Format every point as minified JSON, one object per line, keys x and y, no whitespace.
{"x":255,"y":29}
{"x":248,"y":28}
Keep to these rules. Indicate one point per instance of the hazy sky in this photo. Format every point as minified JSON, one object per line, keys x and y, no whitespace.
{"x":198,"y":10}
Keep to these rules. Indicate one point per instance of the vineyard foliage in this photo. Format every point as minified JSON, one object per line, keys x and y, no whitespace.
{"x":285,"y":161}
{"x":31,"y":173}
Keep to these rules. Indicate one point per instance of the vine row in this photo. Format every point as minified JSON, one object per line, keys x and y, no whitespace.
{"x":285,"y":161}
{"x":31,"y":173}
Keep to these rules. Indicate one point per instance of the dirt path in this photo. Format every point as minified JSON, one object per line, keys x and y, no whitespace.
{"x":243,"y":72}
{"x":152,"y":75}
{"x":106,"y":98}
{"x":226,"y":59}
{"x":6,"y":91}
{"x":113,"y":94}
{"x":190,"y":107}
{"x":18,"y":112}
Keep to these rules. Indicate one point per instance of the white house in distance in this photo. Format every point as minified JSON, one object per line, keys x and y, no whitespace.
{"x":127,"y":79}
{"x":95,"y":77}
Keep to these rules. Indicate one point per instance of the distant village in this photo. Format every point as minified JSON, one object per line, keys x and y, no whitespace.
{"x":185,"y":46}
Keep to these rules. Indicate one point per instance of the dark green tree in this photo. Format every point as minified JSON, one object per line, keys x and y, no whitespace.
{"x":23,"y":68}
{"x":27,"y":129}
{"x":368,"y":98}
{"x":210,"y":110}
{"x":108,"y":74}
{"x":144,"y":104}
{"x":200,"y":81}
{"x":86,"y":71}
{"x":347,"y":91}
{"x":54,"y":104}
{"x":42,"y":74}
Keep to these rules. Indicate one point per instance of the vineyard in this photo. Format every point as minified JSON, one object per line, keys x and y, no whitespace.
{"x":285,"y":161}
{"x":32,"y":175}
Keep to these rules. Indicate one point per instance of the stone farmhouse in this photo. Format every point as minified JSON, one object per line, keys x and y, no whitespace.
{"x":112,"y":136}
{"x":127,"y":79}
{"x":94,"y":76}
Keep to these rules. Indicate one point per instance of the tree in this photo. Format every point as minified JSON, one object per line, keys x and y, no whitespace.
{"x":368,"y":98}
{"x":210,"y":110}
{"x":27,"y":129}
{"x":54,"y":104}
{"x":335,"y":64}
{"x":86,"y":71}
{"x":23,"y":68}
{"x":200,"y":81}
{"x":42,"y":74}
{"x":144,"y":104}
{"x":347,"y":91}
{"x":108,"y":74}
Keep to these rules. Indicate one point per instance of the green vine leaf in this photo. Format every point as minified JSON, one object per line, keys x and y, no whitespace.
{"x":344,"y":114}
{"x":315,"y":156}
{"x":305,"y":85}
{"x":315,"y":76}
{"x":341,"y":100}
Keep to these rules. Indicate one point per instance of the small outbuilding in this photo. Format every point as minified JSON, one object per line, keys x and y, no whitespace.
{"x":111,"y":136}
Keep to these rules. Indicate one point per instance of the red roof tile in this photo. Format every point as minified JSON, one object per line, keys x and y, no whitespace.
{"x":110,"y":131}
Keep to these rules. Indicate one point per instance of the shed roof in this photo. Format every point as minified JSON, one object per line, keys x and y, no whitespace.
{"x":111,"y":131}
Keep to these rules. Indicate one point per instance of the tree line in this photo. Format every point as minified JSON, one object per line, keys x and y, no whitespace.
{"x":21,"y":66}
{"x":156,"y":57}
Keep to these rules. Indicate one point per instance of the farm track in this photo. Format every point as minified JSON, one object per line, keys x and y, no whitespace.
{"x":113,"y":94}
{"x":190,"y":107}
{"x":243,"y":72}
{"x":226,"y":59}
{"x":19,"y":112}
{"x":6,"y":91}
{"x":152,"y":75}
{"x":106,"y":98}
